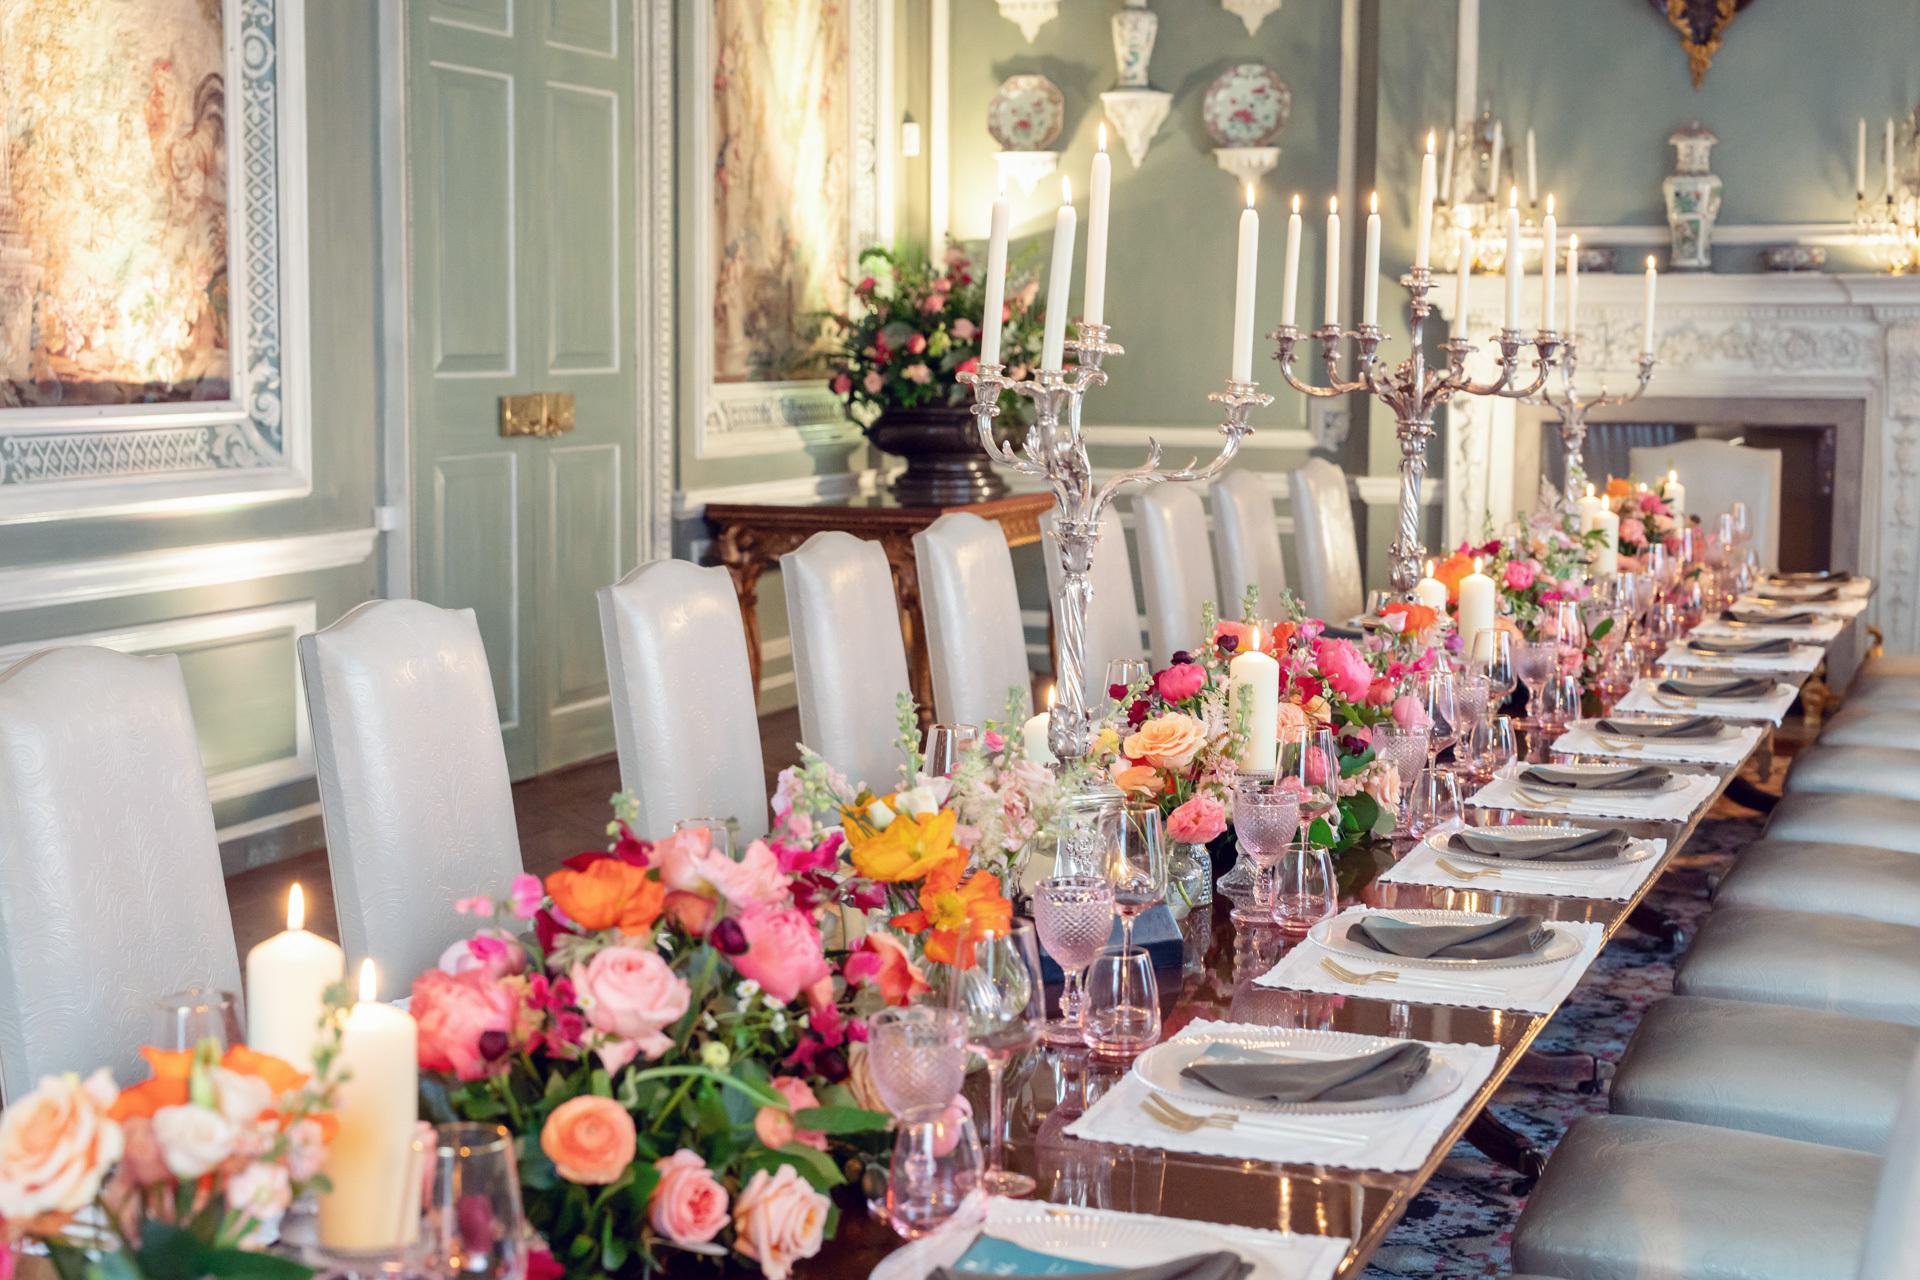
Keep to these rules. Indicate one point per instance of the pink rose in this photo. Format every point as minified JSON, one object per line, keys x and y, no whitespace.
{"x":1289,"y":719}
{"x":916,"y":344}
{"x":774,"y":1126}
{"x":630,"y":996}
{"x":1518,"y":576}
{"x":1197,"y":821}
{"x":1633,"y":530}
{"x":466,"y":1022}
{"x":965,"y":330}
{"x":873,"y":382}
{"x":1408,"y":713}
{"x":783,"y":951}
{"x":778,"y":1219}
{"x":1180,"y":681}
{"x":688,"y":1205}
{"x":879,"y":960}
{"x":841,"y":384}
{"x":1343,"y":668}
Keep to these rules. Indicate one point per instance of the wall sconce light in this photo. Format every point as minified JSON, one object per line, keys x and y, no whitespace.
{"x":909,"y":137}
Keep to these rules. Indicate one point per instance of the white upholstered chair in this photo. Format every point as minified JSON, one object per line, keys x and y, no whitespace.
{"x":110,"y":888}
{"x":1176,"y":566}
{"x":971,"y":603}
{"x":1246,"y":538}
{"x":849,"y":660}
{"x":414,"y":787}
{"x":689,"y":747}
{"x":1717,"y":474}
{"x":1113,"y":620}
{"x":1325,"y":543}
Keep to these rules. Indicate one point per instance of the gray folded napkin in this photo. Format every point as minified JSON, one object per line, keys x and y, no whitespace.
{"x":1739,"y":648}
{"x":1497,"y":842}
{"x":1484,"y":940}
{"x":1220,"y":1265}
{"x":1798,"y":618}
{"x":1797,"y":597}
{"x":1643,"y":777}
{"x":1812,"y":575}
{"x":1275,"y":1077}
{"x":1691,"y":727}
{"x":1704,"y":687}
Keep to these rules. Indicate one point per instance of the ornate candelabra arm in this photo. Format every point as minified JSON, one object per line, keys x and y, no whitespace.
{"x":1239,"y":400}
{"x":1287,"y":336}
{"x":988,"y":381}
{"x":1459,"y":383}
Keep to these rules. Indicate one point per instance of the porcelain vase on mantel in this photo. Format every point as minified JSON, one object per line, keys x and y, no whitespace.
{"x":1135,"y":108}
{"x":1693,"y":199}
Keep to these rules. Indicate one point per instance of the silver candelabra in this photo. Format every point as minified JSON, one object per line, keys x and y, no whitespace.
{"x":1055,"y":450}
{"x":1413,"y":390}
{"x":1573,"y":409}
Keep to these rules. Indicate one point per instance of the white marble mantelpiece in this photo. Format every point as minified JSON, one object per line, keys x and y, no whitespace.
{"x":1804,"y":337}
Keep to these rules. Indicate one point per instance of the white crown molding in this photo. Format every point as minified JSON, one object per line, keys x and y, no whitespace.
{"x":40,"y":586}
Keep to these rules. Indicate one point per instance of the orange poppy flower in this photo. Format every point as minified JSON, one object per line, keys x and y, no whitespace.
{"x":609,"y":893}
{"x":1451,"y":570}
{"x":171,"y":1083}
{"x":911,"y":846}
{"x":954,"y":913}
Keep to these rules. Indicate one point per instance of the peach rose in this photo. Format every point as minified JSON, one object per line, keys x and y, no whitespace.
{"x":688,"y":1205}
{"x":778,"y":1219}
{"x":1135,"y":777}
{"x":56,"y":1146}
{"x":631,"y":997}
{"x":1167,"y":742}
{"x":1197,"y":821}
{"x":590,"y":1140}
{"x":774,"y":1125}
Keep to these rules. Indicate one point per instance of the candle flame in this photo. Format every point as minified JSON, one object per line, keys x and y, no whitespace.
{"x":1373,"y":202}
{"x":296,"y":908}
{"x":1333,"y":204}
{"x":1431,"y":136}
{"x":369,"y":983}
{"x":1066,"y":189}
{"x":1051,"y":691}
{"x":1296,"y":202}
{"x":1573,"y":243}
{"x":1549,"y":204}
{"x":1650,"y":262}
{"x":1103,"y":135}
{"x":1249,"y":195}
{"x":1513,"y":196}
{"x":1430,"y":560}
{"x":1476,"y":564}
{"x":1589,"y":489}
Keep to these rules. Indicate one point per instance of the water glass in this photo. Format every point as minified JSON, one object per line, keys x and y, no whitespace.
{"x":1436,"y":694}
{"x":198,"y":1014}
{"x":1127,"y":673}
{"x":1472,"y":699}
{"x":1137,"y":864}
{"x":1406,"y":751}
{"x":1123,"y":1003}
{"x":1265,"y":816}
{"x":1305,"y":891}
{"x":719,"y":831}
{"x":1492,"y":749}
{"x":1559,"y":704}
{"x":1569,"y":634}
{"x":1309,"y":766}
{"x":1492,"y":659}
{"x":473,"y":1225}
{"x":1003,"y":1000}
{"x":936,"y":1164}
{"x":918,"y":1058}
{"x":946,"y":743}
{"x":1073,"y":916}
{"x":1534,"y":661}
{"x":1435,"y":805}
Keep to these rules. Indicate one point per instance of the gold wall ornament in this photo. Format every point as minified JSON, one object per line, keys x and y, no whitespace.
{"x":541,"y":414}
{"x":1702,"y":25}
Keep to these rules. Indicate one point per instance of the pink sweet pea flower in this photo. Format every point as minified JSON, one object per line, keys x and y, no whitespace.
{"x":526,"y":896}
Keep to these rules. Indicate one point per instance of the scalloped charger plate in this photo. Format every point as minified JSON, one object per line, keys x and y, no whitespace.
{"x":1159,"y":1069}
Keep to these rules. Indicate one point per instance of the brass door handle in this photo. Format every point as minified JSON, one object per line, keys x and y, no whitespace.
{"x":542,"y":414}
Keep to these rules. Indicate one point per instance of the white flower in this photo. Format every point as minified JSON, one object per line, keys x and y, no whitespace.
{"x":747,"y":990}
{"x":306,"y":1149}
{"x":880,"y":814}
{"x":778,"y":1023}
{"x":262,"y":1192}
{"x":193,"y":1140}
{"x":924,"y":797}
{"x":241,"y":1097}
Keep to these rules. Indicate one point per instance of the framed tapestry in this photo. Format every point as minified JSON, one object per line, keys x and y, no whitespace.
{"x":152,"y":255}
{"x":788,"y":186}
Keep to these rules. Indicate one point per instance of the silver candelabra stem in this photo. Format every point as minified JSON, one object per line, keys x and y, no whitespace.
{"x":1573,"y":407}
{"x":1055,"y":450}
{"x":1412,"y":389}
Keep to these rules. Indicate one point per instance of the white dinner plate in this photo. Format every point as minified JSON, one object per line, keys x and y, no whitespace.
{"x":1331,"y":934}
{"x":1636,"y":850}
{"x":1159,"y":1068}
{"x":1105,"y":1240}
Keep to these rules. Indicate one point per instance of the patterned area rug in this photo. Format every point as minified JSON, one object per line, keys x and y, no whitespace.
{"x":1462,"y":1223}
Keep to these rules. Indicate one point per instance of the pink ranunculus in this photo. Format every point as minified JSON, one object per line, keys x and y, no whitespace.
{"x":1518,"y":575}
{"x":916,"y":343}
{"x":779,"y":1219}
{"x":965,"y":330}
{"x":917,"y":373}
{"x":1197,"y":821}
{"x":842,"y":383}
{"x":783,"y":951}
{"x":880,"y":961}
{"x":1380,"y":692}
{"x":1180,"y":681}
{"x":630,"y":996}
{"x":1408,"y":713}
{"x":873,"y":382}
{"x":775,"y":1127}
{"x":1633,"y":530}
{"x":1343,"y":667}
{"x":688,"y":1204}
{"x":466,"y":1022}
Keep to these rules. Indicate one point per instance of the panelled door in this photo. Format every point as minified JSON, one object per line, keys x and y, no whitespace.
{"x":520,"y":169}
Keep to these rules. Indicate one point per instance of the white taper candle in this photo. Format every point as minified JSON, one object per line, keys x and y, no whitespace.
{"x":1646,"y":329}
{"x":1059,"y":281}
{"x":1243,"y":291}
{"x":995,"y":302}
{"x":1493,"y":172}
{"x":1423,"y":214}
{"x":1533,"y":174}
{"x":1463,"y":275}
{"x":1515,"y":268}
{"x":1370,"y":281}
{"x":1290,"y":282}
{"x":1573,"y":284}
{"x":1099,"y":187}
{"x":1333,"y":260}
{"x":1549,"y":247}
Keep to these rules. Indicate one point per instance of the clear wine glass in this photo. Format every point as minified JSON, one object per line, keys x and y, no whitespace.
{"x":1137,"y":864}
{"x":1492,"y":749}
{"x":1126,"y":673}
{"x":1074,"y":916}
{"x":1472,"y":698}
{"x":719,"y":831}
{"x":1569,"y":634}
{"x":1003,"y":1001}
{"x":1309,"y":766}
{"x":946,"y":743}
{"x":1436,"y":693}
{"x":1560,"y":704}
{"x":1435,"y":805}
{"x":1492,"y":659}
{"x":1533,"y":662}
{"x":473,"y":1224}
{"x":197,"y":1014}
{"x":1742,"y":525}
{"x":1265,"y":816}
{"x":1406,"y":751}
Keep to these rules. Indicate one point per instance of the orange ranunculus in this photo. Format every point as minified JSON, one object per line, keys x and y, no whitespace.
{"x":1242,"y":633}
{"x":609,"y":893}
{"x":954,"y":913}
{"x":280,"y":1075}
{"x":590,"y":1139}
{"x":1415,"y":618}
{"x":910,"y":847}
{"x":1451,"y":570}
{"x":1136,"y":777}
{"x":1618,"y":488}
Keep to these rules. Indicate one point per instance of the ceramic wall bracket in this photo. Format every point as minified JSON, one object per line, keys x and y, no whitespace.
{"x":1024,"y":169}
{"x":1251,"y":12}
{"x":1136,"y":115}
{"x":1029,"y":15}
{"x":1246,"y":164}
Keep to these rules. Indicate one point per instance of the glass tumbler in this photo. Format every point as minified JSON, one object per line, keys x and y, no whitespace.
{"x":473,"y":1225}
{"x":936,"y":1163}
{"x":1305,"y":891}
{"x":1435,"y":805}
{"x":1123,"y":1003}
{"x":197,"y":1014}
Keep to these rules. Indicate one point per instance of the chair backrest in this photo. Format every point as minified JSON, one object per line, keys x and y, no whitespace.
{"x":976,"y":645}
{"x":1717,"y":474}
{"x":849,"y":661}
{"x":1325,"y":544}
{"x":111,"y":894}
{"x":684,"y":718}
{"x":414,"y":787}
{"x":1176,"y":566}
{"x":1113,"y":619}
{"x":1246,"y":538}
{"x":1893,"y":1232}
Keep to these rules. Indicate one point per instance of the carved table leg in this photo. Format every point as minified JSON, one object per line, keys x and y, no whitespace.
{"x":745,"y":560}
{"x":1506,"y":1146}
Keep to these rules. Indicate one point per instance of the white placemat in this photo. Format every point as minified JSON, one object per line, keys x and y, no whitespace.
{"x":1285,"y":1255}
{"x":1393,"y":1140}
{"x":1823,"y":631}
{"x":1422,"y":866}
{"x":1730,"y":748}
{"x":1847,"y":606}
{"x":1535,"y":988}
{"x":1646,"y":699}
{"x":1800,"y":660}
{"x":1676,"y":805}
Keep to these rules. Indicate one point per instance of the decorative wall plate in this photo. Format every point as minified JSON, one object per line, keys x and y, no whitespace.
{"x":1027,"y":112}
{"x":1246,"y":106}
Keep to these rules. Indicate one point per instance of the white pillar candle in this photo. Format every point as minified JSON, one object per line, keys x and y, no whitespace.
{"x":1462,"y":280}
{"x":1606,"y":560}
{"x":1446,"y":171}
{"x":1533,"y":174}
{"x":1290,"y":282}
{"x":1059,"y":282}
{"x":1646,"y":324}
{"x":1588,"y":506}
{"x":996,"y":281}
{"x":1333,"y":260}
{"x":1675,"y":493}
{"x":1253,"y":681}
{"x":1476,"y":606}
{"x":1860,"y":160}
{"x":1515,"y":268}
{"x":1033,"y":734}
{"x":1423,"y":214}
{"x":1430,"y":591}
{"x":287,"y":980}
{"x":1370,"y":279}
{"x":1099,"y":187}
{"x":1493,"y":174}
{"x":1891,"y":186}
{"x":1573,"y":285}
{"x":1549,"y":247}
{"x":1243,"y":291}
{"x":374,"y":1205}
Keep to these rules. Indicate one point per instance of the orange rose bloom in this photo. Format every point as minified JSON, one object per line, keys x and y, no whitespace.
{"x":1136,"y":777}
{"x":1167,"y":742}
{"x":609,"y":893}
{"x":1618,"y":488}
{"x":590,"y":1140}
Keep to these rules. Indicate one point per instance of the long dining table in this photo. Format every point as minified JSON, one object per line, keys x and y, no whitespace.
{"x":1055,"y":1087}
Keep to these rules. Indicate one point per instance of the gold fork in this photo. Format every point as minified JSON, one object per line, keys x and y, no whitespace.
{"x":1462,"y":873}
{"x":1361,"y":977}
{"x":1164,"y":1112}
